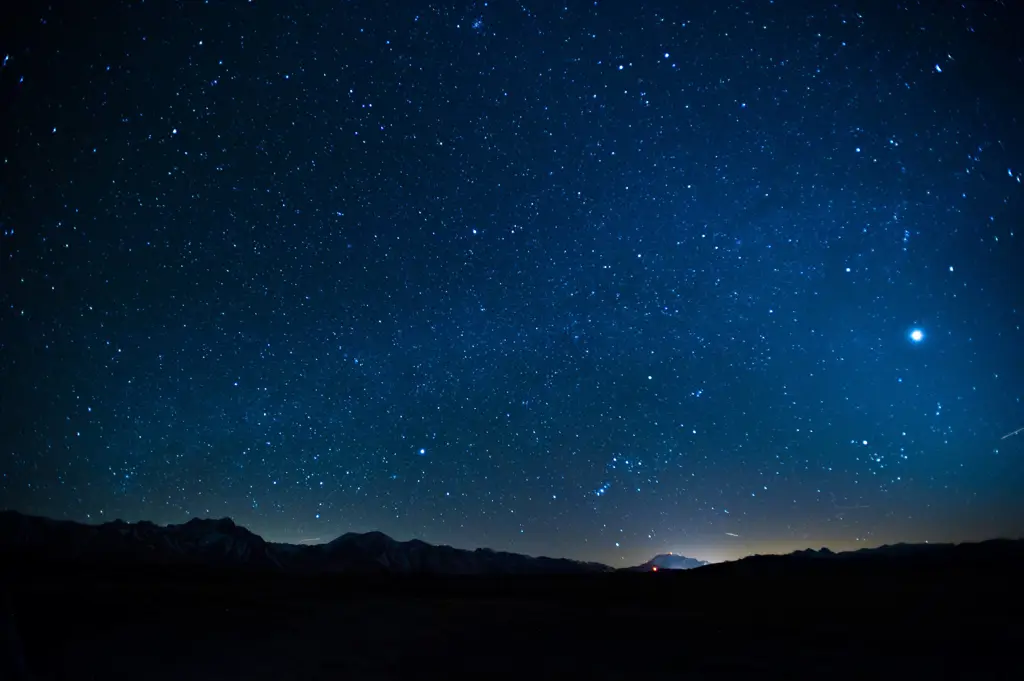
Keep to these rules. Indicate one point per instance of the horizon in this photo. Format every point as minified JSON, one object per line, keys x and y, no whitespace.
{"x":318,"y":541}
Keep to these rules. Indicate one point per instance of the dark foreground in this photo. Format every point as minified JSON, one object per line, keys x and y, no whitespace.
{"x":905,"y":622}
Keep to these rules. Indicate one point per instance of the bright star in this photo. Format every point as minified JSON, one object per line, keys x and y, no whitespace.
{"x":916,"y":335}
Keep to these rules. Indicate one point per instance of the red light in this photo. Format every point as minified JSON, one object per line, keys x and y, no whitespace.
{"x":654,"y":569}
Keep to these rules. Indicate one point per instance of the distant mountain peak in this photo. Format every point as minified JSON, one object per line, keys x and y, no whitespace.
{"x":672,"y":561}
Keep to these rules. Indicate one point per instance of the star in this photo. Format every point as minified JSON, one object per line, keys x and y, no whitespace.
{"x":916,"y":335}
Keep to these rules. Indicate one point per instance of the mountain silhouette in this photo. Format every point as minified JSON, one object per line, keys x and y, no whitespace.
{"x":223,"y":544}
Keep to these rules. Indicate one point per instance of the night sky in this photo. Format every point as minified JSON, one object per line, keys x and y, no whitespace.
{"x":589,"y":279}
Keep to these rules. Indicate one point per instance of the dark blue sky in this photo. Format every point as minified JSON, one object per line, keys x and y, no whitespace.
{"x":599,"y":280}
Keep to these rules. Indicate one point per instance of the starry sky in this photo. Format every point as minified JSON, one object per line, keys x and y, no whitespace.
{"x":589,"y":279}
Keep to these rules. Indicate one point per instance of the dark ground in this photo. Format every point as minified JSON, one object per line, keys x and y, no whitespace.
{"x":187,"y":624}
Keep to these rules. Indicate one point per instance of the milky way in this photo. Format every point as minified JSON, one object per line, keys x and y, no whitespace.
{"x":600,"y":280}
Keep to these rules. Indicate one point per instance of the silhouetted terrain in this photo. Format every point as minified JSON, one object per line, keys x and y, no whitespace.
{"x":901,"y":611}
{"x":223,"y":544}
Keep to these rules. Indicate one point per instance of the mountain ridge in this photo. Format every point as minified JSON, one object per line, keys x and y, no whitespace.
{"x":222,"y":543}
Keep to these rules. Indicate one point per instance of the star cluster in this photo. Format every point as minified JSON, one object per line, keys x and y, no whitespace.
{"x":600,"y":280}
